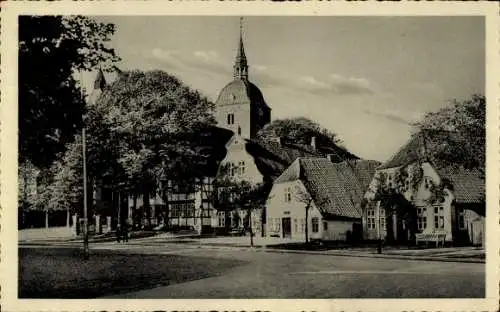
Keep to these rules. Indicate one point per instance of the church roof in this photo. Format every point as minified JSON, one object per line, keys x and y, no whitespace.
{"x":241,"y":91}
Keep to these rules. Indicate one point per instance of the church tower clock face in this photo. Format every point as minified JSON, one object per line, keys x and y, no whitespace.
{"x":240,"y":106}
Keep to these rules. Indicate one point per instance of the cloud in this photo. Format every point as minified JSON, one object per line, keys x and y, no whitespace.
{"x":200,"y":61}
{"x":336,"y":84}
{"x":333,"y":85}
{"x":399,"y":116}
{"x":207,"y":56}
{"x":260,"y":68}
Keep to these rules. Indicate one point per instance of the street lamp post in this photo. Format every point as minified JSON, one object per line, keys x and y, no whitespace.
{"x":379,"y":234}
{"x":85,"y":213}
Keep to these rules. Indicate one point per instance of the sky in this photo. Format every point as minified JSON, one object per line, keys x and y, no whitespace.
{"x":365,"y":78}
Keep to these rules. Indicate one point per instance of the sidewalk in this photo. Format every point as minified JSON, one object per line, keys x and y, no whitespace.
{"x":278,"y":245}
{"x":49,"y":236}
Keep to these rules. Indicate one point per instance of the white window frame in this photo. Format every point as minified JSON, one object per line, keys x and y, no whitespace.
{"x":421,"y":218}
{"x":382,"y":217}
{"x":370,"y":218}
{"x":438,"y":217}
{"x":315,"y":224}
{"x":221,"y":218}
{"x":241,"y":167}
{"x":288,"y":194}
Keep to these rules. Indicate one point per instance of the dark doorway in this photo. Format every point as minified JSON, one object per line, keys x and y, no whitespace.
{"x":286,"y":225}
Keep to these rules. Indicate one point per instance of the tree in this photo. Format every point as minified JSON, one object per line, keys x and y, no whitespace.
{"x":298,"y":130}
{"x":303,"y":196}
{"x":156,"y":123}
{"x":456,"y":134}
{"x":231,"y":194}
{"x":51,"y":50}
{"x":245,"y":196}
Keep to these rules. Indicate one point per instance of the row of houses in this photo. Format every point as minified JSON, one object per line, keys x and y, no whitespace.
{"x":336,"y":186}
{"x":315,"y":186}
{"x":338,"y":196}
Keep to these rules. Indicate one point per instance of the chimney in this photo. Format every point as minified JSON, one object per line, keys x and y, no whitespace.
{"x":330,"y":157}
{"x":313,"y":142}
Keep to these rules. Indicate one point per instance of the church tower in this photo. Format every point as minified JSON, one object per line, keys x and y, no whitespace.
{"x":240,"y":106}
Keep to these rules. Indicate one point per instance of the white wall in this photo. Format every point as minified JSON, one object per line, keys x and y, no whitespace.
{"x":419,"y":198}
{"x":278,"y":208}
{"x":337,"y":230}
{"x":236,"y":152}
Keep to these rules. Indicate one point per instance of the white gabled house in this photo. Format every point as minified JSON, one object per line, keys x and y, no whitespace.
{"x":335,"y":192}
{"x":458,"y":213}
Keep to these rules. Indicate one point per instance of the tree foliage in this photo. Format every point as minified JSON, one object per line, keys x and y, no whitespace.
{"x":154,"y":123}
{"x":298,"y":130}
{"x":51,"y":50}
{"x":456,"y":134}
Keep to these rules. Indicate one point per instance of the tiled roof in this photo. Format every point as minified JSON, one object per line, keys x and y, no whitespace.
{"x":273,"y":158}
{"x":337,"y":188}
{"x":468,"y":185}
{"x":410,"y":152}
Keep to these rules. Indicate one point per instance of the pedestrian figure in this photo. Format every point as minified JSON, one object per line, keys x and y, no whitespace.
{"x":125,"y":232}
{"x":118,"y":234}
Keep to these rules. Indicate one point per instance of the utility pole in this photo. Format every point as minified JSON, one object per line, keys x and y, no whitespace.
{"x":379,"y":234}
{"x":85,"y":202}
{"x":85,"y":213}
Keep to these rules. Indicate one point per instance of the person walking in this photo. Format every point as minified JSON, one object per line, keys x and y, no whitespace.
{"x":125,"y":232}
{"x":118,"y":234}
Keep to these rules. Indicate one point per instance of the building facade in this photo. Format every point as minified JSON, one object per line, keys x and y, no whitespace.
{"x":332,"y":192}
{"x":458,"y":212}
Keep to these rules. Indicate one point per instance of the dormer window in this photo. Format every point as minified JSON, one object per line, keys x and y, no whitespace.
{"x":230,"y":119}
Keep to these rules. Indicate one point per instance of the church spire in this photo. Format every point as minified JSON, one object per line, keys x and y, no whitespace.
{"x":240,"y":65}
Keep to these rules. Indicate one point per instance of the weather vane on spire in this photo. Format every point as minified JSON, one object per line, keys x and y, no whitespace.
{"x":241,"y":26}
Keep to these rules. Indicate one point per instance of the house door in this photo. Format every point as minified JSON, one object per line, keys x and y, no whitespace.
{"x":286,"y":225}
